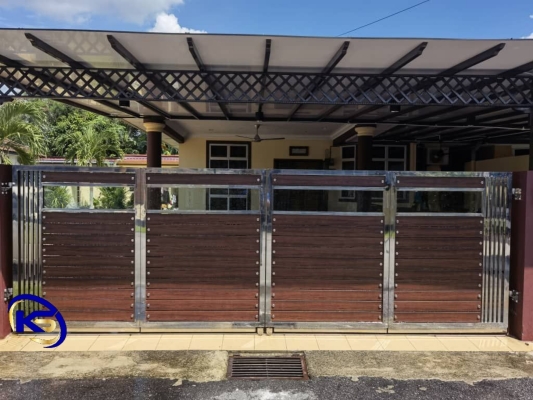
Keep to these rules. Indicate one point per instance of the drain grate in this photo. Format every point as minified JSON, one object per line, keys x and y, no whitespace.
{"x":292,"y":367}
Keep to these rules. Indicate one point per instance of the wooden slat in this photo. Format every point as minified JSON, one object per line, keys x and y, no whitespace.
{"x":446,"y":296}
{"x":92,"y":305}
{"x":328,"y":273}
{"x":199,"y":316}
{"x":438,"y":222}
{"x":324,"y":262}
{"x":283,"y":305}
{"x":414,"y":275}
{"x":93,"y":229}
{"x":432,"y":243}
{"x":363,"y":252}
{"x":322,"y":180}
{"x":204,"y":179}
{"x":429,"y":285}
{"x":247,"y":254}
{"x":309,"y":316}
{"x":223,"y":241}
{"x":202,"y":232}
{"x":81,"y":295}
{"x":88,"y":240}
{"x":86,"y":284}
{"x":115,"y":251}
{"x":236,"y":280}
{"x":118,"y":316}
{"x":437,"y":306}
{"x":94,"y":272}
{"x":85,"y":218}
{"x":439,"y":232}
{"x":452,"y":317}
{"x":471,"y":254}
{"x":436,"y":263}
{"x":98,"y":259}
{"x":326,"y":295}
{"x":250,"y":274}
{"x":89,"y":177}
{"x":214,"y":294}
{"x":202,"y":219}
{"x":202,"y":305}
{"x":353,"y":222}
{"x":440,"y":182}
{"x":202,"y":261}
{"x":328,"y":231}
{"x":329,"y":242}
{"x":309,"y":283}
{"x":208,"y":285}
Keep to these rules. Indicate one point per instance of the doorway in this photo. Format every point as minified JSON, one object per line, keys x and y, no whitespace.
{"x":300,"y":200}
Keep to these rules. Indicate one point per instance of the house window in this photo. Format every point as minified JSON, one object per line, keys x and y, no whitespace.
{"x":348,"y":163}
{"x":228,"y":156}
{"x":389,"y":157}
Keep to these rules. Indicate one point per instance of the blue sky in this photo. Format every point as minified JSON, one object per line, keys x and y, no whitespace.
{"x":437,"y":18}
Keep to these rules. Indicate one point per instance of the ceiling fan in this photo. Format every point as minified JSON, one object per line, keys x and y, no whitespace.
{"x":257,"y":138}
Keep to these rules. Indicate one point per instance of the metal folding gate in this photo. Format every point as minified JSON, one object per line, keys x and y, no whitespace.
{"x":225,"y":250}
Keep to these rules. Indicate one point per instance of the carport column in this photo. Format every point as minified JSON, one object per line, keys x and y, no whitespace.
{"x":531,"y":139}
{"x":6,"y":245}
{"x":365,"y":136}
{"x":154,"y":132}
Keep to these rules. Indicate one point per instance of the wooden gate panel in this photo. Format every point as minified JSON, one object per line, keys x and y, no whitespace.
{"x":327,"y":268}
{"x":202,"y":268}
{"x":88,"y":265}
{"x":438,"y":269}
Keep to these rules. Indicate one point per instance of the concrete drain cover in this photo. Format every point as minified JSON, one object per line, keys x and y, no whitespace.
{"x":292,"y":367}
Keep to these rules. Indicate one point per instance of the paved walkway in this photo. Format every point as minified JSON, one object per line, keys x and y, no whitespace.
{"x":288,"y":342}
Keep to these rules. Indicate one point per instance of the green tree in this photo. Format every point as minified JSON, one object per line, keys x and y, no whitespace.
{"x":57,"y":197}
{"x":21,"y":131}
{"x":114,"y":198}
{"x":90,"y":146}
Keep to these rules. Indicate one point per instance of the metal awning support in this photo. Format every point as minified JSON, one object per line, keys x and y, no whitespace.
{"x":266,"y":64}
{"x":318,"y":82}
{"x":102,"y":79}
{"x":462,"y":66}
{"x":396,"y":66}
{"x":172,"y":133}
{"x":159,"y":83}
{"x":207,"y":78}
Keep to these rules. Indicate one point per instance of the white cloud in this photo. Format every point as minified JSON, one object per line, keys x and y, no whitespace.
{"x":169,"y":23}
{"x":531,"y":16}
{"x":528,"y":37}
{"x":78,"y":11}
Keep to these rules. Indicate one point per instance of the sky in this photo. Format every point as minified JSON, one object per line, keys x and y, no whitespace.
{"x":476,"y":19}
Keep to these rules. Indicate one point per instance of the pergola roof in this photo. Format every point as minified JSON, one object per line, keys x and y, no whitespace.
{"x":449,"y":90}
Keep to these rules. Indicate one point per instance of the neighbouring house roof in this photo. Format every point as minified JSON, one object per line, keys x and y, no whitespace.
{"x":129,"y":159}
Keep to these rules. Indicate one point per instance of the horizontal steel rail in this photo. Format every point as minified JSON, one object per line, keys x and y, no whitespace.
{"x":271,"y":87}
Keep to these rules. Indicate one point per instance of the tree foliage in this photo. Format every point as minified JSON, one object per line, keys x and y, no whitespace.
{"x":114,"y":198}
{"x":21,"y":131}
{"x":57,"y":197}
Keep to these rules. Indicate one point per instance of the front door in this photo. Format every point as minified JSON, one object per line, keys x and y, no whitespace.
{"x":300,"y":200}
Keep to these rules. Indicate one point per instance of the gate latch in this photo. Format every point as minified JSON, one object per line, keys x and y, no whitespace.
{"x":5,"y":187}
{"x":514,"y":295}
{"x":517,"y":194}
{"x":8,"y":294}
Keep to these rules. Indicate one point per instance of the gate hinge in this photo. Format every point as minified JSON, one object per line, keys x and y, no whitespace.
{"x":8,"y":294}
{"x":514,"y":295}
{"x":517,"y":194}
{"x":5,"y":187}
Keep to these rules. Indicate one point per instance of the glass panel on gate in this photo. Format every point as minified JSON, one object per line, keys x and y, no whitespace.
{"x":88,"y":198}
{"x":440,"y":202}
{"x":202,"y":199}
{"x":327,"y":201}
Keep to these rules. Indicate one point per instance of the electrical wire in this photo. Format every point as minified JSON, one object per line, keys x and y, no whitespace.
{"x":384,"y":18}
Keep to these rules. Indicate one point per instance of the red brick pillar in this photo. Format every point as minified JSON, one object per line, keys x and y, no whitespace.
{"x":521,"y":280}
{"x":6,"y":245}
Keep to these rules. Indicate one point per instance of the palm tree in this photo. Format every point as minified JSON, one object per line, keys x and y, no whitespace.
{"x":90,"y":147}
{"x":20,"y":131}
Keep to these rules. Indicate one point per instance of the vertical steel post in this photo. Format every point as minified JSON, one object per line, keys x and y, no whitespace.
{"x":531,"y":139}
{"x":140,"y":292}
{"x":6,"y":244}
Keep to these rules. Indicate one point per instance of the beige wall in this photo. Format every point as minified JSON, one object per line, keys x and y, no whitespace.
{"x":502,"y":164}
{"x":193,"y":152}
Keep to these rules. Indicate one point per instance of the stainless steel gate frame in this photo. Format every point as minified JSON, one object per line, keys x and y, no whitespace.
{"x":28,"y":196}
